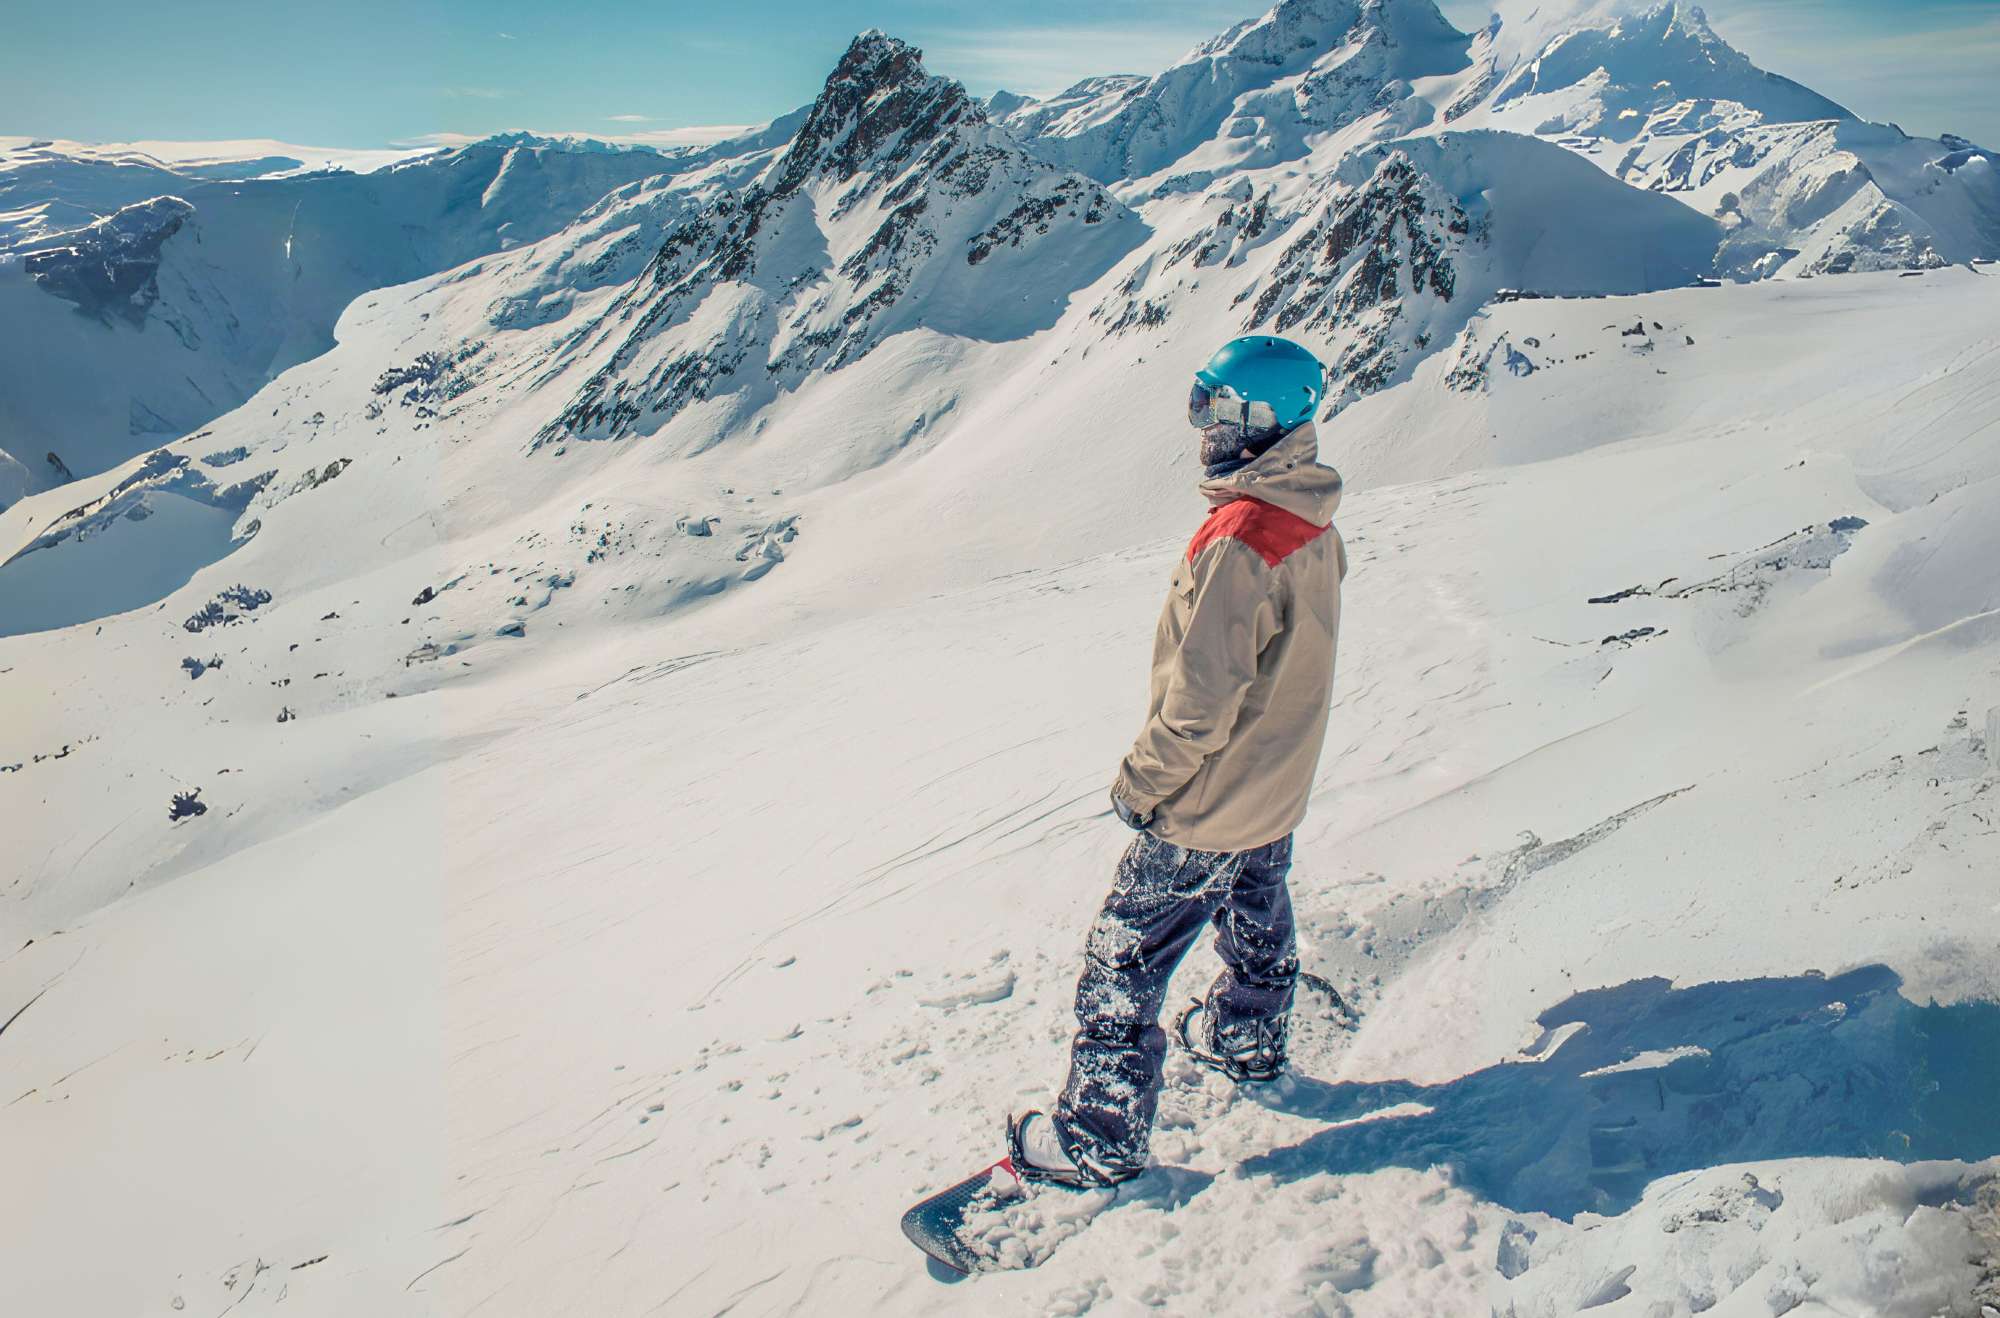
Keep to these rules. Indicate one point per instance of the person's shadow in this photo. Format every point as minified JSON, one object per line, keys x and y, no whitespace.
{"x":1661,"y":1080}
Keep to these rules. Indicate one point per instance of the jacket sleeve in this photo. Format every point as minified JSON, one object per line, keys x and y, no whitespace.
{"x":1231,"y":620}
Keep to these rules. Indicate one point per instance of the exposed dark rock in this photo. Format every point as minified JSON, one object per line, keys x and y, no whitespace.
{"x":434,"y":377}
{"x":111,"y":267}
{"x":227,"y":607}
{"x":1352,"y":270}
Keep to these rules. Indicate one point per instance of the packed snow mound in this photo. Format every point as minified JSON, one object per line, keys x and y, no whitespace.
{"x":897,"y":205}
{"x":146,"y":324}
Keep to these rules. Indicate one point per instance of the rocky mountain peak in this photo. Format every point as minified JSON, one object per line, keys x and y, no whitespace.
{"x":878,"y":101}
{"x":913,"y":203}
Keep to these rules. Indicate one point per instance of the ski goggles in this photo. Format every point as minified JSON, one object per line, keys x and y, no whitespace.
{"x":1222,"y":405}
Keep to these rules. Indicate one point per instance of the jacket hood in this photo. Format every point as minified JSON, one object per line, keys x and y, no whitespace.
{"x":1287,"y":475}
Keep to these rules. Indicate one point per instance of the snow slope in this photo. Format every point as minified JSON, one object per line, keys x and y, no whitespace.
{"x":658,"y":970}
{"x":477,"y":850}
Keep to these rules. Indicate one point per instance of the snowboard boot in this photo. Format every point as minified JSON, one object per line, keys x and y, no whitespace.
{"x":1249,"y":1053}
{"x":1042,"y":1157}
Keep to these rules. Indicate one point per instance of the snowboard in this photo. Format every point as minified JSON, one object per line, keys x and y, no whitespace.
{"x":935,"y":1224}
{"x":995,"y":1222}
{"x":963,"y":1227}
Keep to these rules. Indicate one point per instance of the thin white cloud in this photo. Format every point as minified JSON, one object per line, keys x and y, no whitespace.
{"x":692,"y":135}
{"x":506,"y":36}
{"x":436,"y":139}
{"x":629,"y":118}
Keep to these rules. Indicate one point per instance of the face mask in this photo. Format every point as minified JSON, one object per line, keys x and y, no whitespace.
{"x":1222,"y":442}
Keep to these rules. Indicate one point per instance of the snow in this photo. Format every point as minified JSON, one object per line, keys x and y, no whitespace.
{"x":585,"y":914}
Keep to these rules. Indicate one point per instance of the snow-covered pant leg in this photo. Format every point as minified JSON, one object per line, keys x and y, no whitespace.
{"x":1257,"y":941}
{"x":1163,"y":897}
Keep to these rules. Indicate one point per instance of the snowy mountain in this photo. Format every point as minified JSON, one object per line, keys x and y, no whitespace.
{"x":187,"y":302}
{"x":1255,"y":95}
{"x":1604,"y":71}
{"x":584,"y":790}
{"x":1802,"y":185}
{"x":1652,"y":95}
{"x":49,"y":187}
{"x":1655,"y":98}
{"x":897,"y":204}
{"x":1389,"y":255}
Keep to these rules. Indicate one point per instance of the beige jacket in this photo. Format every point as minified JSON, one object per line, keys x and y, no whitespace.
{"x":1243,"y":659}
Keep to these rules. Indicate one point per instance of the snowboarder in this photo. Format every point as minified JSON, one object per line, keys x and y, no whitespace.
{"x":1218,"y":778}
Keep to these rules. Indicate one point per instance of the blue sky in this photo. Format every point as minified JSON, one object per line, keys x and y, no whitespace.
{"x":369,"y":72}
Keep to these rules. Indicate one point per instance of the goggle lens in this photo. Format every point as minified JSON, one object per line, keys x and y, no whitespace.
{"x":1207,"y":407}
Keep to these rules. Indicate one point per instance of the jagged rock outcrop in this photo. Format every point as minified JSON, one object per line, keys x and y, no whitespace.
{"x":1356,"y":267}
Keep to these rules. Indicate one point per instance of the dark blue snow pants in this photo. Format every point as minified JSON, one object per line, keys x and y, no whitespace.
{"x":1162,"y":898}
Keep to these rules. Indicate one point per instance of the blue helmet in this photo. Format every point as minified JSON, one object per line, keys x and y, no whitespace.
{"x":1258,"y":368}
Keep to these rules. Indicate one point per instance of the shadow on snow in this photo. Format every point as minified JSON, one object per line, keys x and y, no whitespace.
{"x":1659,"y":1080}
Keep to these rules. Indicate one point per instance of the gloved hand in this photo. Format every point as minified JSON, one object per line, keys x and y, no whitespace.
{"x":1128,"y":816}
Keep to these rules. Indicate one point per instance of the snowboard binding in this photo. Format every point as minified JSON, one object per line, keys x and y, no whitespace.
{"x":1084,"y":1175}
{"x":1253,"y":1053}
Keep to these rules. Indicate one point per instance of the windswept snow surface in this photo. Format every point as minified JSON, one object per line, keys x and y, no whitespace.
{"x":587,"y":795}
